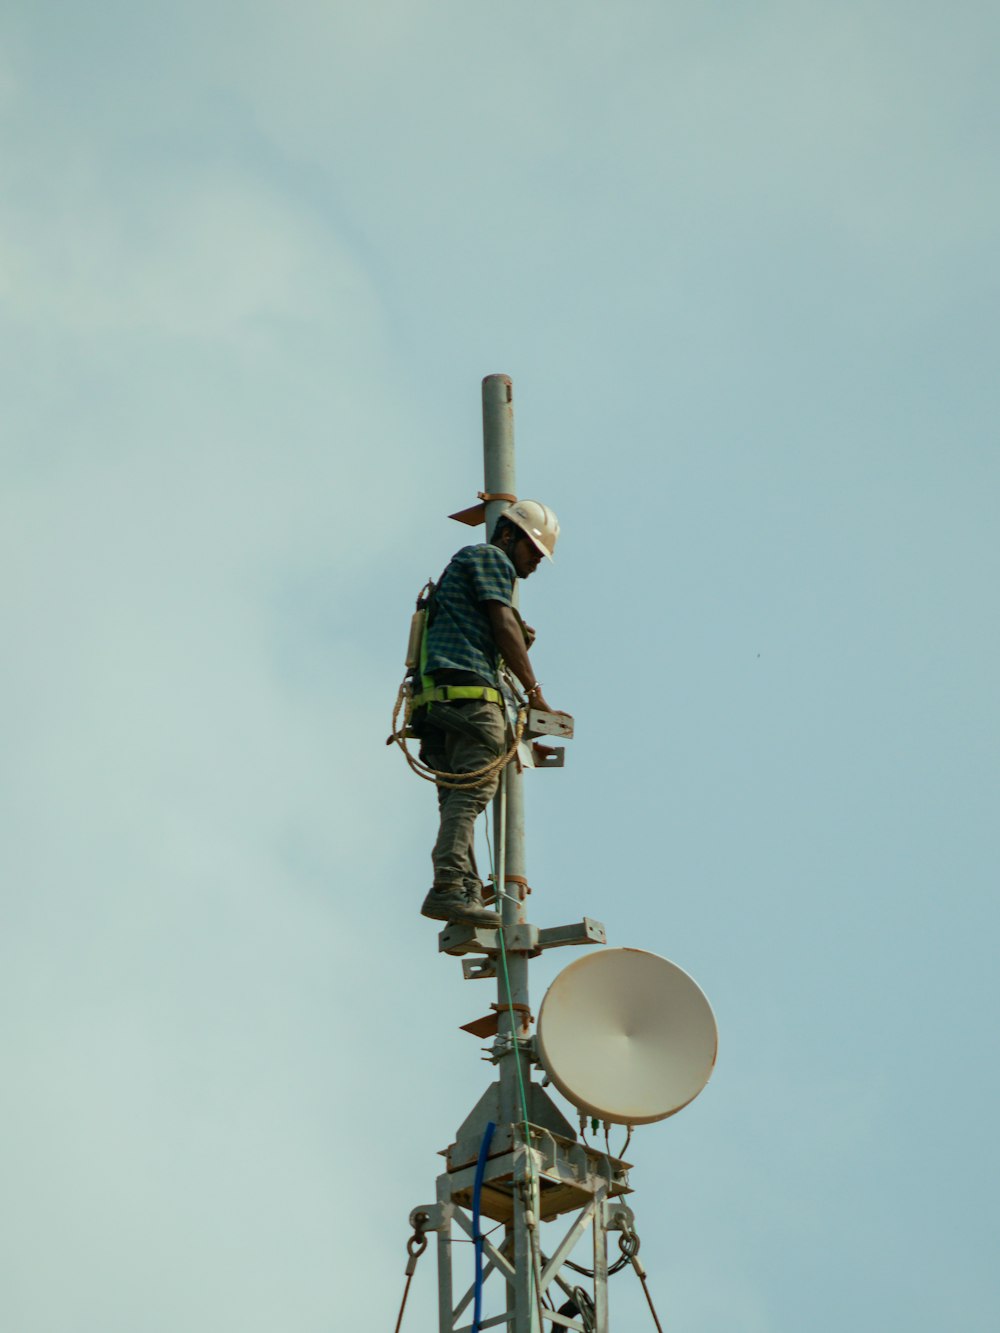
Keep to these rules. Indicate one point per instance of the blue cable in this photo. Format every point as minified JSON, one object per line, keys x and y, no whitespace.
{"x":477,"y":1191}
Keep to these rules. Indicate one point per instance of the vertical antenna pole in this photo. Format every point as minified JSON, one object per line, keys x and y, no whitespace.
{"x":508,"y":812}
{"x":499,"y":475}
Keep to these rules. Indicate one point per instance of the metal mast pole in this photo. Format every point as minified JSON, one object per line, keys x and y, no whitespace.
{"x":508,"y":813}
{"x":508,"y":805}
{"x":515,"y":1157}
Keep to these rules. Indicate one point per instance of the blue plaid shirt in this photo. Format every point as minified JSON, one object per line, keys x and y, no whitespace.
{"x":459,"y":637}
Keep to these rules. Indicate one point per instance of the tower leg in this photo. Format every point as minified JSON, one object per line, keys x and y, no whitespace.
{"x":445,"y":1320}
{"x":526,"y":1204}
{"x":601,"y":1268}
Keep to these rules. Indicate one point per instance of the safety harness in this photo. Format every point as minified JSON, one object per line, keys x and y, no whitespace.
{"x":422,"y":688}
{"x":419,"y":691}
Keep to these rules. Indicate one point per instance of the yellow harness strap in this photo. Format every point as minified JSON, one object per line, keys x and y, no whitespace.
{"x":442,"y":694}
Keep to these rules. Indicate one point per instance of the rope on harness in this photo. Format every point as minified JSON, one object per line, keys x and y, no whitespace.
{"x":479,"y":777}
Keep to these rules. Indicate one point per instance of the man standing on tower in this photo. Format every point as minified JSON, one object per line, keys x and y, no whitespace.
{"x":458,"y":714}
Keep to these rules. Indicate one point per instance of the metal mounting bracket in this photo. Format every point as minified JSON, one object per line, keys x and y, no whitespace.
{"x":458,"y":939}
{"x":553,"y":756}
{"x":521,"y":938}
{"x":587,"y":931}
{"x":620,"y":1216}
{"x":478,"y":969}
{"x":541,"y":723}
{"x":432,"y":1216}
{"x":489,"y":1024}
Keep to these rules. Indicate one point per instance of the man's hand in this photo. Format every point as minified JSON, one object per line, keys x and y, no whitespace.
{"x":536,"y":699}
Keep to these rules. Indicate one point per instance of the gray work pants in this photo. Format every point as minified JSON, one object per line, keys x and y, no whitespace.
{"x":476,"y":735}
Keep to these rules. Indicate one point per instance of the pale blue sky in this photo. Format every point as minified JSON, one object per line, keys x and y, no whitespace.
{"x":741,"y":265}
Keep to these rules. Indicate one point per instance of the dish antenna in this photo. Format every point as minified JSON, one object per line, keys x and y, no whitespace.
{"x":627,"y":1036}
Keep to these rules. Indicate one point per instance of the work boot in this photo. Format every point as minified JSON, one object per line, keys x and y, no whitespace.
{"x":474,"y":895}
{"x":449,"y":903}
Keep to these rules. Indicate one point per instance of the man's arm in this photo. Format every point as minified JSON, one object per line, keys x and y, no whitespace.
{"x":510,"y":641}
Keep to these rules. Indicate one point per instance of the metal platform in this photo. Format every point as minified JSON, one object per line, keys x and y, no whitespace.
{"x":569,"y":1175}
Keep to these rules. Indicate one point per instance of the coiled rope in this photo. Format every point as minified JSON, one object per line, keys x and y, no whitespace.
{"x":478,"y":777}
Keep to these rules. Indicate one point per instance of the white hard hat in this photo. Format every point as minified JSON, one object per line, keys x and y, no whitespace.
{"x":537,"y":521}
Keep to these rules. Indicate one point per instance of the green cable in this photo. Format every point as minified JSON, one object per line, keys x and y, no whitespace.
{"x":513,"y":1032}
{"x":500,"y":893}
